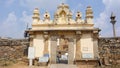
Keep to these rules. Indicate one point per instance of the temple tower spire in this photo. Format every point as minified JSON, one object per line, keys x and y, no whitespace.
{"x":89,"y":15}
{"x":36,"y":15}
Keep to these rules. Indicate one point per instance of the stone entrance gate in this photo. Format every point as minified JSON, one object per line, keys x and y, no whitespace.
{"x":53,"y":50}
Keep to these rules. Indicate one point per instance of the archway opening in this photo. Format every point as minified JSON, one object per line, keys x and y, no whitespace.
{"x":62,"y":51}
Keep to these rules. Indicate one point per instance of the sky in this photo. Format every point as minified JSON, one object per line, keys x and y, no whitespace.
{"x":15,"y":14}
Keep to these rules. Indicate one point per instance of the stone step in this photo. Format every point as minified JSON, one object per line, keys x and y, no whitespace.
{"x":62,"y":66}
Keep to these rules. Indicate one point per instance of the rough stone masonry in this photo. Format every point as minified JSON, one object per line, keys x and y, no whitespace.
{"x":12,"y":50}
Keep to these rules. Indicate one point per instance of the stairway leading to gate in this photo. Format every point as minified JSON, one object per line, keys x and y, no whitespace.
{"x":62,"y":66}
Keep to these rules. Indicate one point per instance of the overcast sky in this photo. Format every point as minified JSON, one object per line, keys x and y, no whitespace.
{"x":15,"y":14}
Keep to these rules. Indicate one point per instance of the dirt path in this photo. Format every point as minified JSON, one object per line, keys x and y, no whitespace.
{"x":22,"y":65}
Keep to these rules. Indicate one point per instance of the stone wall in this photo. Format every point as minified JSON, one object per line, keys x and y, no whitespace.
{"x":12,"y":50}
{"x":109,"y":50}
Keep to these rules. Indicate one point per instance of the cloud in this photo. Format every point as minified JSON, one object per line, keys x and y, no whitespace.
{"x":103,"y":21}
{"x":77,"y":8}
{"x":14,"y":26}
{"x":41,"y":4}
{"x":8,"y":27}
{"x":26,"y":19}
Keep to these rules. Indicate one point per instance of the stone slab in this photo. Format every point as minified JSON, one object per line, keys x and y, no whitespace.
{"x":53,"y":50}
{"x":62,"y":66}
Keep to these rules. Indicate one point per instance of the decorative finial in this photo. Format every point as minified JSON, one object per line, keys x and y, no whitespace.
{"x":89,"y":15}
{"x":78,"y":17}
{"x":46,"y":16}
{"x":113,"y":18}
{"x":112,"y":15}
{"x":88,"y":6}
{"x":36,"y":9}
{"x":62,"y":3}
{"x":36,"y":15}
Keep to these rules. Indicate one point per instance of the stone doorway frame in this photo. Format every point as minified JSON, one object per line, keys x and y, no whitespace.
{"x":53,"y":49}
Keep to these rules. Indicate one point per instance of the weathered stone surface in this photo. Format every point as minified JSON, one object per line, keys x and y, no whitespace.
{"x":109,"y":50}
{"x":12,"y":50}
{"x":71,"y":52}
{"x":78,"y":48}
{"x":53,"y":50}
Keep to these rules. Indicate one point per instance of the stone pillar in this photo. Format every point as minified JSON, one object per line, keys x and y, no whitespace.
{"x":71,"y":51}
{"x":78,"y":48}
{"x":95,"y":44}
{"x":46,"y":40}
{"x":31,"y":45}
{"x":31,"y":40}
{"x":53,"y":48}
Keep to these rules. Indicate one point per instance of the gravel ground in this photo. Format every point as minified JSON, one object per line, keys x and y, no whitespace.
{"x":23,"y":65}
